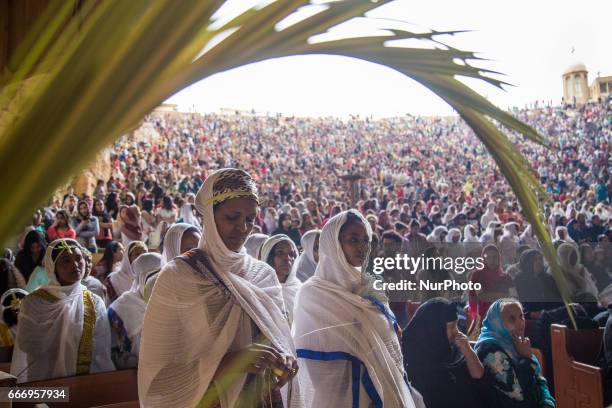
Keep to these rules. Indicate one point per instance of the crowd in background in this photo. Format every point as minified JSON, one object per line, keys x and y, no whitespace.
{"x":422,"y":184}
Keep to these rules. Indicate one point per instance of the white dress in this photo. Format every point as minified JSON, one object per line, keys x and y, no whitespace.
{"x":349,"y":352}
{"x":50,"y":334}
{"x":196,"y":315}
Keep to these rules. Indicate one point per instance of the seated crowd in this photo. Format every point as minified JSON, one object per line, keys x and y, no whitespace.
{"x":227,"y":287}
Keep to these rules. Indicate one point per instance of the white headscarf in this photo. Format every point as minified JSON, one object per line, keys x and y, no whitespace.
{"x":269,"y":221}
{"x":187,"y":213}
{"x":355,"y":328}
{"x":192,"y":320}
{"x":489,"y":235}
{"x":578,"y":278}
{"x":291,"y":284}
{"x":584,"y":209}
{"x":489,"y":215}
{"x":123,"y":279}
{"x":566,"y":234}
{"x":49,"y":331}
{"x":511,"y":230}
{"x":568,"y":210}
{"x":469,"y":234}
{"x":305,"y":264}
{"x":130,"y":306}
{"x":436,"y":233}
{"x":602,"y":212}
{"x":450,"y":214}
{"x":253,"y":244}
{"x":173,"y":238}
{"x":285,"y":209}
{"x":557,"y":209}
{"x":508,"y":243}
{"x":453,"y":232}
{"x":527,"y":237}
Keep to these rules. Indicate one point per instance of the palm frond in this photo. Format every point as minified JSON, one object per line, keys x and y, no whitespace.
{"x":94,"y":77}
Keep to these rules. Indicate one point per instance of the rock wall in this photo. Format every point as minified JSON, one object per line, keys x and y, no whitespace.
{"x":99,"y":168}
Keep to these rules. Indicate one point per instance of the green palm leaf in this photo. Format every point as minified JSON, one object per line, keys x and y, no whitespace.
{"x":80,"y":81}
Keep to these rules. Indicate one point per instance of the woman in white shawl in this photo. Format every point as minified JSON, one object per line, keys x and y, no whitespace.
{"x":215,"y":330}
{"x":270,"y":220}
{"x":121,"y":281}
{"x":454,"y":236}
{"x":489,"y":215}
{"x":63,"y":329}
{"x":527,"y":238}
{"x":577,"y":276}
{"x":585,"y":209}
{"x":451,"y":212}
{"x":492,"y":233}
{"x":179,"y":239}
{"x":348,"y":346}
{"x":307,"y":262}
{"x":187,"y":214}
{"x":279,"y":251}
{"x":602,"y":212}
{"x":438,"y":235}
{"x":469,"y":234}
{"x":454,"y":249}
{"x":508,"y":243}
{"x":557,"y":209}
{"x":562,"y":236}
{"x":127,"y":313}
{"x":253,"y":244}
{"x":570,"y":211}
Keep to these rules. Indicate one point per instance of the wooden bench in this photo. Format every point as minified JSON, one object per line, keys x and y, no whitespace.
{"x":129,"y":404}
{"x":6,"y":355}
{"x":92,"y":390}
{"x":578,"y":382}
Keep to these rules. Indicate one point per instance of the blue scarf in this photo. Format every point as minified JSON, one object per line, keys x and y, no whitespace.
{"x":494,"y":331}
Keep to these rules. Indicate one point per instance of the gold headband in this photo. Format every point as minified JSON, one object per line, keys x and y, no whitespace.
{"x":63,"y":245}
{"x":233,"y":184}
{"x":138,"y":244}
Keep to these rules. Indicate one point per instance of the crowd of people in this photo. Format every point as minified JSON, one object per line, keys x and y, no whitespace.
{"x":282,"y":252}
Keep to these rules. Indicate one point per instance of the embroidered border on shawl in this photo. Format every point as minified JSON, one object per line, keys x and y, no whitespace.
{"x":117,"y":323}
{"x":41,"y":293}
{"x":356,"y":365}
{"x":85,"y":345}
{"x":388,"y":314}
{"x":199,"y":262}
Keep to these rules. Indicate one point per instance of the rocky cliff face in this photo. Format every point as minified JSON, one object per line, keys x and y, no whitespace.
{"x":99,"y":168}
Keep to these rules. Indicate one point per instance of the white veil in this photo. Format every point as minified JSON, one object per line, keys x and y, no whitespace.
{"x":338,"y":332}
{"x":192,"y":320}
{"x":291,"y":284}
